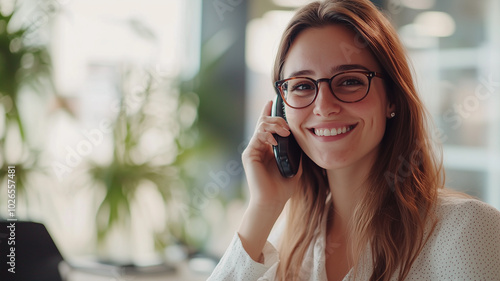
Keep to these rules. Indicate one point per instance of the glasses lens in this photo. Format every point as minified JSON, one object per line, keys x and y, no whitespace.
{"x":350,"y":87}
{"x":299,"y":92}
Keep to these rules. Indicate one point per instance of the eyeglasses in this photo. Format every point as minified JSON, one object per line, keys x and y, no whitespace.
{"x":348,"y":86}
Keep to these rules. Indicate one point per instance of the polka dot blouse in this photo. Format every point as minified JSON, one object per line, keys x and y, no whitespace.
{"x":465,"y":245}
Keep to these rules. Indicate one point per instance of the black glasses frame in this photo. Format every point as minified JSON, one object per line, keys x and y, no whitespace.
{"x":369,"y":75}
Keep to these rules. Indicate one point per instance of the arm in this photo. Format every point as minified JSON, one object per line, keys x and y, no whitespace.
{"x":236,"y":265}
{"x":269,"y":191}
{"x":255,"y":228}
{"x":250,"y":256}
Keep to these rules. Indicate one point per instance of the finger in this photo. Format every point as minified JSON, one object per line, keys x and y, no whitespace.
{"x":271,"y":140}
{"x":261,"y":142}
{"x":282,"y":130}
{"x":274,"y":120}
{"x":274,"y":125}
{"x":266,"y":111}
{"x":266,"y":136}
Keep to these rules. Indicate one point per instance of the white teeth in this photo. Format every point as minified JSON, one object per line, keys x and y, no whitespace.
{"x":331,"y":132}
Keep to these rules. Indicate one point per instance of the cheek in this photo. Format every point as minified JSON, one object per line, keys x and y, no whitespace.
{"x":295,"y":117}
{"x":367,"y":109}
{"x":375,"y":103}
{"x":373,"y":111}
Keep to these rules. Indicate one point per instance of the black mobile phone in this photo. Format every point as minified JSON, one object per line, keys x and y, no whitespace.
{"x":288,"y":151}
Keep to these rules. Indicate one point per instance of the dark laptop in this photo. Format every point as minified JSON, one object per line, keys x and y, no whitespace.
{"x":35,"y":256}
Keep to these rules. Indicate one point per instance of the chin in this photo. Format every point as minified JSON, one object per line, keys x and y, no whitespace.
{"x":329,"y":162}
{"x":333,"y":166}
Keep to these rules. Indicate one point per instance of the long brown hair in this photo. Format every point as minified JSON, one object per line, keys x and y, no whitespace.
{"x":392,"y":217}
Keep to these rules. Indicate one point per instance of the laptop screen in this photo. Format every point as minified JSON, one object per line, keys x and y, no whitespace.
{"x":28,"y":252}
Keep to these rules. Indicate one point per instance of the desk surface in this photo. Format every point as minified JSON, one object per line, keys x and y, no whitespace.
{"x":182,"y":273}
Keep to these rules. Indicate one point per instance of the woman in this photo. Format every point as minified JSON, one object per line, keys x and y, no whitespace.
{"x":367,"y":202}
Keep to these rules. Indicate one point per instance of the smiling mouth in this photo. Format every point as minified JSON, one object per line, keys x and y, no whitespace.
{"x":333,"y":132}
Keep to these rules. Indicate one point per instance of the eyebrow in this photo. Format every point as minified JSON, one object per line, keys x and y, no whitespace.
{"x":335,"y":69}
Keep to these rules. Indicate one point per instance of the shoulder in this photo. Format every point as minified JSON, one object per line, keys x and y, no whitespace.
{"x":460,"y":211}
{"x":465,"y":242}
{"x":467,"y":221}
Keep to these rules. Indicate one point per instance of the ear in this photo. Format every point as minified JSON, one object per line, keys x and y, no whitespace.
{"x":390,"y":109}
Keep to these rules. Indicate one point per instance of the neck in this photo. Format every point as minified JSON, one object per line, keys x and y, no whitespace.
{"x":345,"y":191}
{"x":347,"y":186}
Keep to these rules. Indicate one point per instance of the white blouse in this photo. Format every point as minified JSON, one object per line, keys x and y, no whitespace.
{"x":465,"y":245}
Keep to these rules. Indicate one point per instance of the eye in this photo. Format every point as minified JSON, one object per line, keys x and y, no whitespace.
{"x":303,"y":86}
{"x":351,"y":81}
{"x":299,"y":86}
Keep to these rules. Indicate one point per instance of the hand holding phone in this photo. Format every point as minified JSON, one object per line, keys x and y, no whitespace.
{"x":269,"y":191}
{"x":288,"y":151}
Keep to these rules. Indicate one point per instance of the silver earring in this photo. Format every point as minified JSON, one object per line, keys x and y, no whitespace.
{"x":393,"y":114}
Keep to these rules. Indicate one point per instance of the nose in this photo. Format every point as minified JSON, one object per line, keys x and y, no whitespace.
{"x":326,"y":103}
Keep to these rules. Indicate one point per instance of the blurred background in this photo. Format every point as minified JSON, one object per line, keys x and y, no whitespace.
{"x":125,"y":119}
